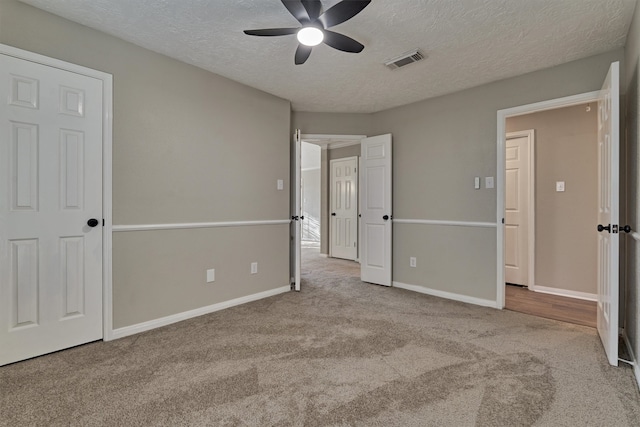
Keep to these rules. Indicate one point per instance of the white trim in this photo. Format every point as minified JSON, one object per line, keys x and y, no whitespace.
{"x":342,"y":144}
{"x":168,"y":320}
{"x":531,"y":203}
{"x":332,"y":141}
{"x":500,"y":166}
{"x":449,"y":223}
{"x":323,"y":255}
{"x":565,"y":293}
{"x":446,"y":295}
{"x":107,"y":143}
{"x":632,"y":356}
{"x":188,"y":225}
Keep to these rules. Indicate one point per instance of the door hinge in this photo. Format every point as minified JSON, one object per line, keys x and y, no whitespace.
{"x":103,"y":222}
{"x":503,"y":220}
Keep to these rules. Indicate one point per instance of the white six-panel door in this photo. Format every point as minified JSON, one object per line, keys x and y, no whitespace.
{"x":344,"y":208}
{"x":608,"y":212}
{"x":516,"y":225}
{"x":376,"y":186}
{"x":50,"y":186}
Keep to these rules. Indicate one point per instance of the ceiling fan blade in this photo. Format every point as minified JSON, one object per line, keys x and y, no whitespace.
{"x":342,"y":42}
{"x":269,"y":32}
{"x":313,"y":8}
{"x":302,"y":54}
{"x":298,"y":10}
{"x":342,"y":11}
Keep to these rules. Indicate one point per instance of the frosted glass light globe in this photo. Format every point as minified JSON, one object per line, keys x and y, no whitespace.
{"x":310,"y":36}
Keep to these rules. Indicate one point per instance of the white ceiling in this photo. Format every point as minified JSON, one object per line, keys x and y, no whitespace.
{"x":468,"y":43}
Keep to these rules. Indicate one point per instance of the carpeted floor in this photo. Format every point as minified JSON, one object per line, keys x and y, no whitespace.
{"x":339,"y":353}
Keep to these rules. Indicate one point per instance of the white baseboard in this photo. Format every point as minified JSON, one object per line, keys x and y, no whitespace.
{"x":564,"y":293}
{"x":447,"y":295}
{"x":636,"y":368}
{"x":324,"y":255}
{"x":164,"y":321}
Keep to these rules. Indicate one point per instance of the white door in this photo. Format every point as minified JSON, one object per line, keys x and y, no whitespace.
{"x":297,"y":208}
{"x":375,"y":259}
{"x":516,"y":268}
{"x":344,"y":208}
{"x":608,"y":212}
{"x":50,"y":186}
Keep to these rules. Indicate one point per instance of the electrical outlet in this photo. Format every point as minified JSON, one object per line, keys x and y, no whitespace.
{"x":211,"y":275}
{"x":412,"y":261}
{"x":254,"y":268}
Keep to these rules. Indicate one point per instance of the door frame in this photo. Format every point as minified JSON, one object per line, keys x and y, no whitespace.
{"x":357,"y":222}
{"x":551,"y":104}
{"x":328,"y":142}
{"x":107,"y":190}
{"x":531,"y":202}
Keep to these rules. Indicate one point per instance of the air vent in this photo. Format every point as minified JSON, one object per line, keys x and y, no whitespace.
{"x":405,"y":59}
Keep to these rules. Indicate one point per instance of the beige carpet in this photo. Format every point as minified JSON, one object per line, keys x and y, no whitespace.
{"x":339,"y":353}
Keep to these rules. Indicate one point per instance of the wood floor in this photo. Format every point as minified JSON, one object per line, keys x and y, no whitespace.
{"x":565,"y":309}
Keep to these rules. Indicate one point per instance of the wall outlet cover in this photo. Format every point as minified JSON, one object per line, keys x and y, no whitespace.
{"x":488,"y":182}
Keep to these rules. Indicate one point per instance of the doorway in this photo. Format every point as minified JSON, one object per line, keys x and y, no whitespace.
{"x":551,"y":175}
{"x":376,"y":217}
{"x":343,"y":195}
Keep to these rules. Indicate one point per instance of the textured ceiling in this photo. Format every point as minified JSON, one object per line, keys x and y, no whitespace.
{"x":468,"y":43}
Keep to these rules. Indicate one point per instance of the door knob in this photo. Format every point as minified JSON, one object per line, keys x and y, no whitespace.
{"x":333,"y":214}
{"x":386,"y":217}
{"x":92,"y":222}
{"x":602,"y":228}
{"x":626,"y":229}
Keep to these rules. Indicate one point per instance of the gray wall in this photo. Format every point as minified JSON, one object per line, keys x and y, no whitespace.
{"x":632,"y":179}
{"x":182,"y":152}
{"x":566,"y":149}
{"x":439,"y":146}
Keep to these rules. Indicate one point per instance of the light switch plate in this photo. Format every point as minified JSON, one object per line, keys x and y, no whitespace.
{"x":254,"y":268}
{"x":476,"y":183}
{"x":559,"y":186}
{"x":211,"y":275}
{"x":488,"y":182}
{"x":280,"y":184}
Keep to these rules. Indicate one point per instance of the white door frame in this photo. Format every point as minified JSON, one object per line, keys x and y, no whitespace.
{"x":330,"y":141}
{"x":531,"y":203}
{"x":500,"y":169}
{"x":107,"y":141}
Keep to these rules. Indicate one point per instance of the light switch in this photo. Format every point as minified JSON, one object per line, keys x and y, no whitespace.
{"x":559,"y":186}
{"x":211,"y":275}
{"x":476,"y":182}
{"x":488,"y":182}
{"x":280,"y":184}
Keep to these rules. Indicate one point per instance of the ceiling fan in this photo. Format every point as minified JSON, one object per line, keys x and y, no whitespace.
{"x":314,"y":26}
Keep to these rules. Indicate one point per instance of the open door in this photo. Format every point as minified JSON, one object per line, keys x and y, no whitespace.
{"x":297,"y":206}
{"x":375,"y":259}
{"x":608,"y":212}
